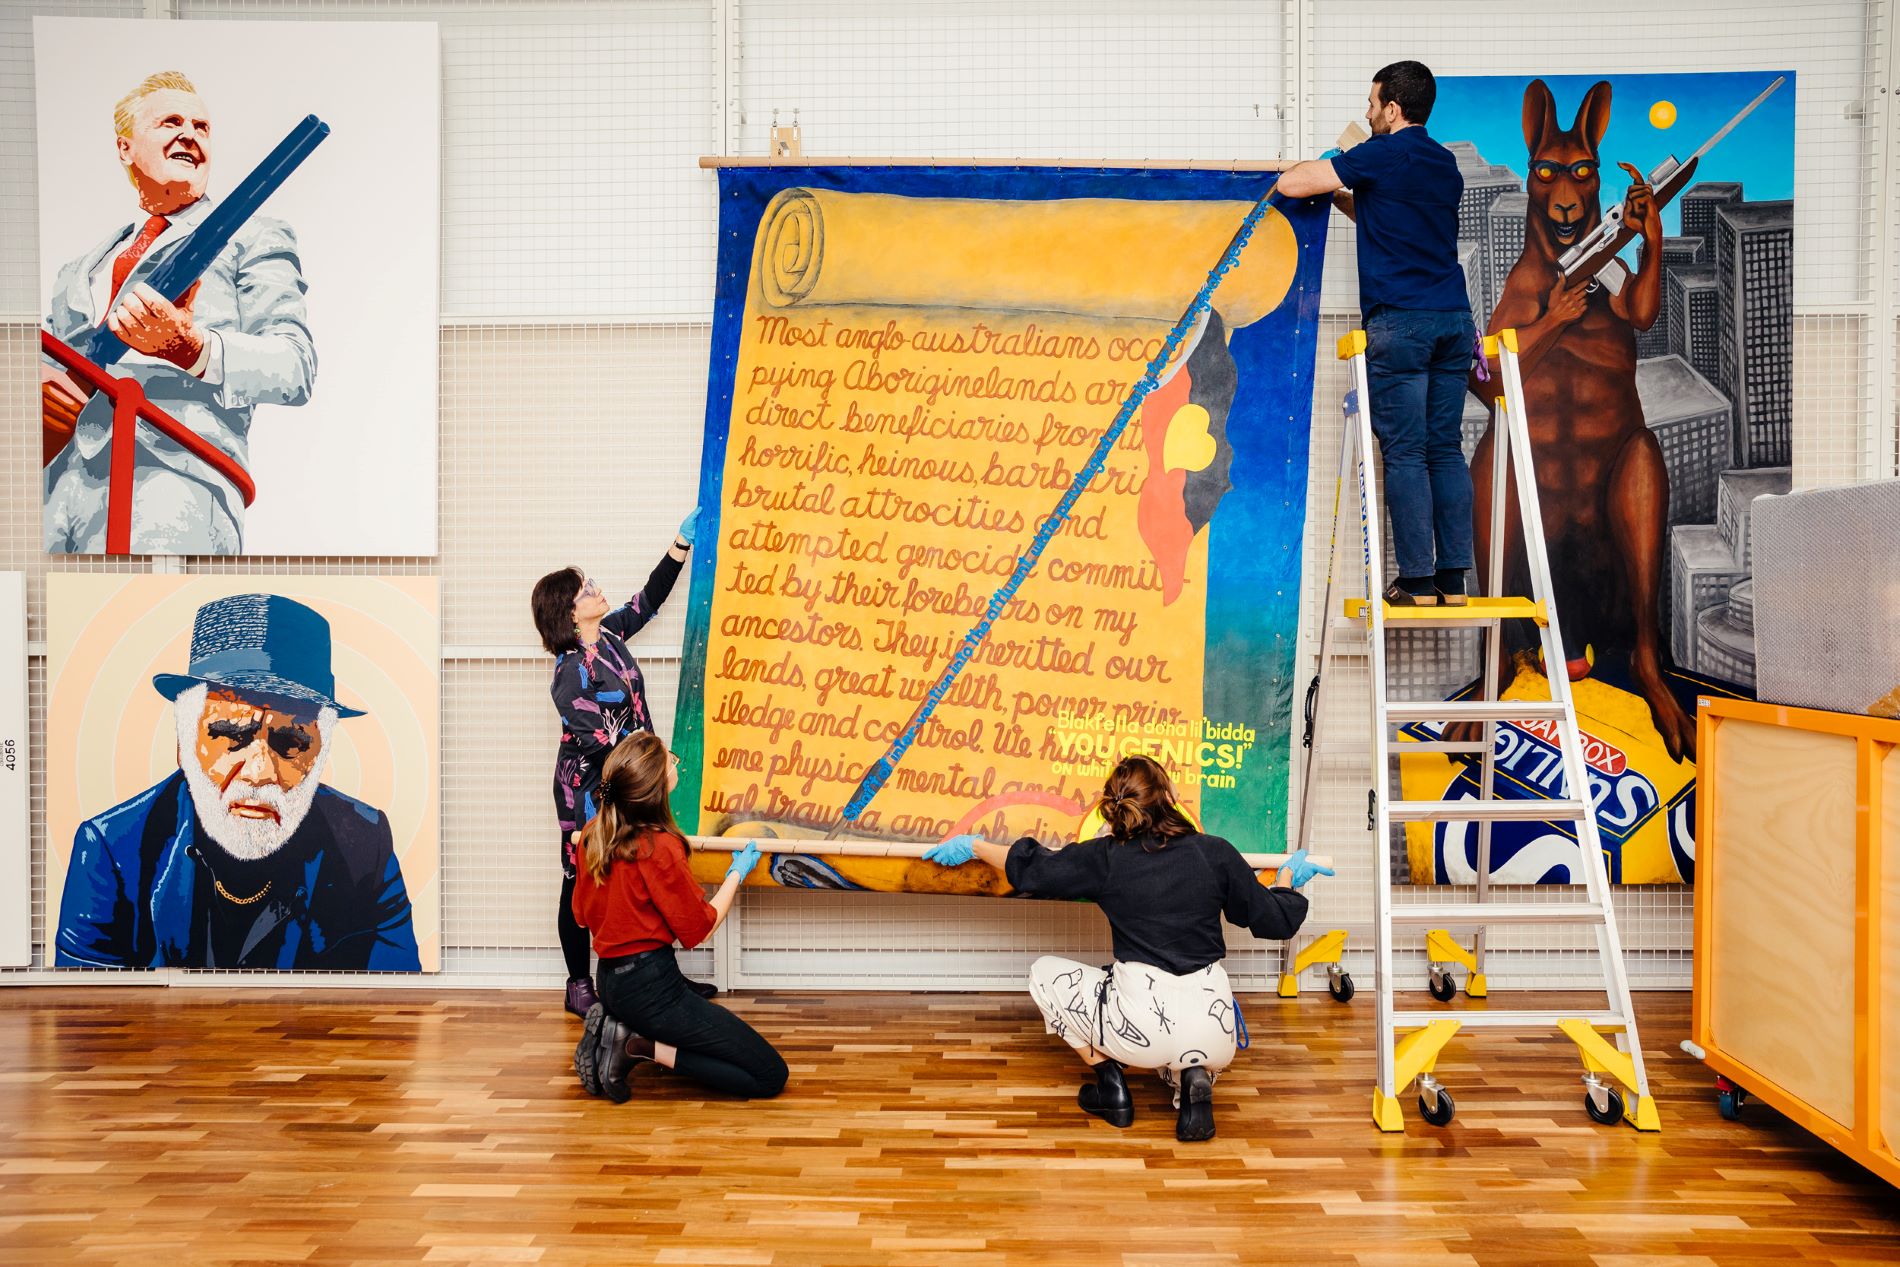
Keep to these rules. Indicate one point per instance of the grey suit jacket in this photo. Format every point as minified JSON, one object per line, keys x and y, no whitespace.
{"x":252,"y":296}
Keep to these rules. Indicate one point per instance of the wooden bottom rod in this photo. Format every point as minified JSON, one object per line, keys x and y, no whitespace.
{"x":909,"y":849}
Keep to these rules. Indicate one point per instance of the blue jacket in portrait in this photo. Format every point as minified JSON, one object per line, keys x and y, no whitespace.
{"x":132,"y":895}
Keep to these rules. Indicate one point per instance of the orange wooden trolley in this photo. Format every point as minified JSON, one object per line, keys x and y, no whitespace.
{"x":1797,"y":919}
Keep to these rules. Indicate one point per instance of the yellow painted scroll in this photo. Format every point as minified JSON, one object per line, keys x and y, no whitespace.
{"x":916,"y":383}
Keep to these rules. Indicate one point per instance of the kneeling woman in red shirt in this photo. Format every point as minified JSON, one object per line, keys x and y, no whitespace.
{"x":635,"y":891}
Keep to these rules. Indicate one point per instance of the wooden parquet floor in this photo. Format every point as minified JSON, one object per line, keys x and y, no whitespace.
{"x":171,"y":1127}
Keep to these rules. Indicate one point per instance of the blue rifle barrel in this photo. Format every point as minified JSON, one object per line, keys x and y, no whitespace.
{"x":184,"y":266}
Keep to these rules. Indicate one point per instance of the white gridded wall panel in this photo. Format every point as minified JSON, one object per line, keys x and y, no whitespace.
{"x":1070,"y":79}
{"x":570,"y":136}
{"x":578,"y":246}
{"x":908,"y":941}
{"x":1883,"y":76}
{"x":19,"y":184}
{"x":564,"y":445}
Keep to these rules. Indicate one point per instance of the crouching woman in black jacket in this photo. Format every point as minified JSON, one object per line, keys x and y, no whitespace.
{"x":1165,"y":1003}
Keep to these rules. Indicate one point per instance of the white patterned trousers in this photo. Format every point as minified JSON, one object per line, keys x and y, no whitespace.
{"x":1137,"y":1015}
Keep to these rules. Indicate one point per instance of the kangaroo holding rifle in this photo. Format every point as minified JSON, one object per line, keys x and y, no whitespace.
{"x":1600,"y":476}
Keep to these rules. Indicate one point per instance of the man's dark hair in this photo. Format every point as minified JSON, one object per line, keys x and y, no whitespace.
{"x":553,"y":604}
{"x":1410,"y":87}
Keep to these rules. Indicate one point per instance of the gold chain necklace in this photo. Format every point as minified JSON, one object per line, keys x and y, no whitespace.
{"x":228,"y":896}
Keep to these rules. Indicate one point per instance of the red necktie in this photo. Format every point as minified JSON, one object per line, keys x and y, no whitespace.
{"x":128,"y":258}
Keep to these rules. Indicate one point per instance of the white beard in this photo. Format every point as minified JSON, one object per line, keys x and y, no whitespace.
{"x":247,"y":839}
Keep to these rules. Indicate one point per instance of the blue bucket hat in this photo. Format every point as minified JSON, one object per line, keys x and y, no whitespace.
{"x":259,"y":644}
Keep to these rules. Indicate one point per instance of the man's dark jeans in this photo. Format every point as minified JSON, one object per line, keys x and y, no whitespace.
{"x":716,"y":1048}
{"x":1416,"y":364}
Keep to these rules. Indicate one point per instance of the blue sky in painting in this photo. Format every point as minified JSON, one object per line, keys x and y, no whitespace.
{"x":1487,"y":110}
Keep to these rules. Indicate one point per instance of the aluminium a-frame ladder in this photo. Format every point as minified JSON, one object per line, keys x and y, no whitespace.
{"x":1410,"y":1042}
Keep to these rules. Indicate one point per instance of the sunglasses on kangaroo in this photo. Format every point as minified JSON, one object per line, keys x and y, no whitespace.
{"x":1546,"y":170}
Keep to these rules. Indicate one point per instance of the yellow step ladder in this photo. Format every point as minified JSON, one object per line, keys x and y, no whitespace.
{"x":1409,"y":1043}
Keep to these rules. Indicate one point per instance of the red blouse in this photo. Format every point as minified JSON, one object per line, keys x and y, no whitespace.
{"x":646,"y":903}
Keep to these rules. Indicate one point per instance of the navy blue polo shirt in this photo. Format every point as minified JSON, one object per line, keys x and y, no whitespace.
{"x":1405,"y":189}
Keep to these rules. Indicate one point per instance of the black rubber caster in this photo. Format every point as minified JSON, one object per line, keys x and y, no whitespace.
{"x":1443,"y":988}
{"x":1341,"y":987}
{"x":1612,"y":1110}
{"x":1437,"y":1111}
{"x":1729,"y":1099}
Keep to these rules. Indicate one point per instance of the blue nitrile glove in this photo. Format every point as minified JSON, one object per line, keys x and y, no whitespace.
{"x":953,"y":852}
{"x":689,"y":528}
{"x":743,"y":861}
{"x":1300,"y":870}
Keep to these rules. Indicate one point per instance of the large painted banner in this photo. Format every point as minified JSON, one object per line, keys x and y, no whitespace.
{"x":911,"y":368}
{"x":242,"y":218}
{"x":16,"y":779}
{"x":242,"y":772}
{"x":1659,"y":397}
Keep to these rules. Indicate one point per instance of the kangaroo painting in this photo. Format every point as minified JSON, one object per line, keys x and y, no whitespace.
{"x":1636,"y":231}
{"x":1600,"y":473}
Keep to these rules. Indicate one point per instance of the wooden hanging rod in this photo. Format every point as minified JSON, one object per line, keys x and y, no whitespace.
{"x":1158,"y":164}
{"x":906,"y":849}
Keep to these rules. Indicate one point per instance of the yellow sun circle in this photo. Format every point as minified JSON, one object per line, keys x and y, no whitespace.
{"x":1662,"y":114}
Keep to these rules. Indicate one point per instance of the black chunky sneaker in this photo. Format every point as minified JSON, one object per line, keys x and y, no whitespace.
{"x":585,"y":1066}
{"x":613,"y":1060}
{"x":1107,"y":1097}
{"x":617,"y":1051}
{"x":1195,"y":1121}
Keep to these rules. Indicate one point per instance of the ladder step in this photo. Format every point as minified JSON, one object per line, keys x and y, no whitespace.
{"x":1494,"y":914}
{"x":1412,"y":710}
{"x":1476,"y":610}
{"x":1500,"y":1018}
{"x":1404,"y":748}
{"x":1528,"y":811}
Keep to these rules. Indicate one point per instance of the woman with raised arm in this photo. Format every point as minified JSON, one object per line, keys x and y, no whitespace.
{"x":1164,"y":1004}
{"x":637,"y":894}
{"x":600,"y":695}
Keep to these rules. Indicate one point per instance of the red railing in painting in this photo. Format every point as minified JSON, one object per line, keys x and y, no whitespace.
{"x":129,"y":408}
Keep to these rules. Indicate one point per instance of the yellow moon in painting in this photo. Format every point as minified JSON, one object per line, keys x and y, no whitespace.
{"x":1662,"y":114}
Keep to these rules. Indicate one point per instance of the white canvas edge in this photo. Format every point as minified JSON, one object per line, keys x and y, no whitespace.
{"x":16,"y":780}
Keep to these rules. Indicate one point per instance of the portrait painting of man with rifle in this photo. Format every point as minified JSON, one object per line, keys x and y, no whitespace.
{"x":201,"y":237}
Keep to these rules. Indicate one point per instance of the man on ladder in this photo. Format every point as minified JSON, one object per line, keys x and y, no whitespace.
{"x":1404,"y":199}
{"x":1402,"y":189}
{"x":1409,"y":367}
